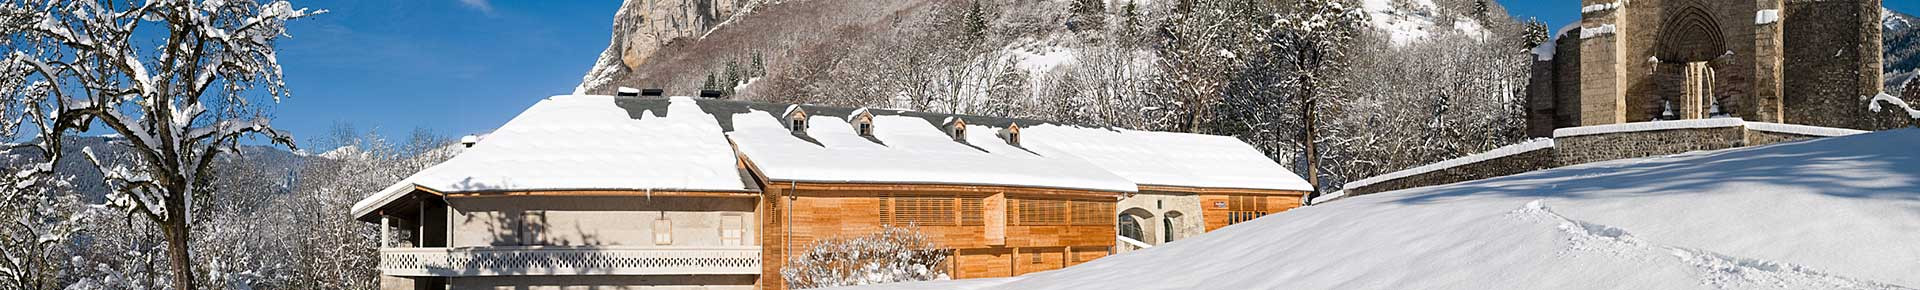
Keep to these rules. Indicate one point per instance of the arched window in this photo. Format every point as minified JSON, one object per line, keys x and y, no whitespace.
{"x":1130,"y":228}
{"x":1166,"y":229}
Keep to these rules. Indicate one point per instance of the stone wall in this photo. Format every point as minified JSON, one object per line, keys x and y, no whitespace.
{"x":1832,"y":62}
{"x":1581,"y":149}
{"x":1496,"y":167}
{"x":1595,"y":144}
{"x":1758,"y":137}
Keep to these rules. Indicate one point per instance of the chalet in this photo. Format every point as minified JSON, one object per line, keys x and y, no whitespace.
{"x":699,"y":193}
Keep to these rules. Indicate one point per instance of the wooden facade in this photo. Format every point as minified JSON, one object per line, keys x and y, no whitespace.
{"x":993,"y":231}
{"x":1221,"y":207}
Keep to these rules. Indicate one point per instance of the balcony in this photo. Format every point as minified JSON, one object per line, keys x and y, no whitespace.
{"x":515,"y":261}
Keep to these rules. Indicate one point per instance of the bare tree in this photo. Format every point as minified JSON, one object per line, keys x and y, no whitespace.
{"x":179,"y":105}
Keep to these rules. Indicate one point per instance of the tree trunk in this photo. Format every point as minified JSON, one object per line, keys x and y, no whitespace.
{"x":1313,"y":155}
{"x":175,"y":230}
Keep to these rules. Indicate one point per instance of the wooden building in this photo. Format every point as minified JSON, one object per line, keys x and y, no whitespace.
{"x":686,"y":193}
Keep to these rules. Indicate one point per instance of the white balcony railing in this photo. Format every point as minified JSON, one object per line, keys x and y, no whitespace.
{"x":511,"y":261}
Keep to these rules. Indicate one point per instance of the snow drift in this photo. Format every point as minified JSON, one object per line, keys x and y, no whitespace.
{"x":1837,"y":213}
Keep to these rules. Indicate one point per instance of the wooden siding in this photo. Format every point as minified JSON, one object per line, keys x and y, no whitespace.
{"x":1222,"y":210}
{"x":963,"y":219}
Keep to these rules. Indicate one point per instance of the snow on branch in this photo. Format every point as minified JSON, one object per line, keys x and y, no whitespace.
{"x":1874,"y":104}
{"x":895,"y":254}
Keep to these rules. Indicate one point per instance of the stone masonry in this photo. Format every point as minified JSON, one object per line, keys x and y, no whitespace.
{"x":1786,"y":61}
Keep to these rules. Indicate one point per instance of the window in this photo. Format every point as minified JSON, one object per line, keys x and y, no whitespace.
{"x":1245,"y":208}
{"x":1130,"y":227}
{"x":866,"y":129}
{"x":662,"y":231}
{"x":1013,"y":138}
{"x":1043,"y":212}
{"x":973,"y":211}
{"x":1091,"y":212}
{"x":1167,"y":229}
{"x":924,"y":211}
{"x":960,"y":133}
{"x":798,"y":125}
{"x":732,"y":229}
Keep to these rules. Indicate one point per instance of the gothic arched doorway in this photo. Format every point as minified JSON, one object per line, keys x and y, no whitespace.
{"x":1690,"y":42}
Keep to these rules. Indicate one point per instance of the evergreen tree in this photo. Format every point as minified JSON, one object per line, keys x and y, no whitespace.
{"x":1536,"y":34}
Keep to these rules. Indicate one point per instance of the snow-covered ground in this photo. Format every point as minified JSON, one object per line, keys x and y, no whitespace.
{"x":1836,"y":213}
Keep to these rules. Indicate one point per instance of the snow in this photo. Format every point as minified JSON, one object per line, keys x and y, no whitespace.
{"x":1404,"y":27}
{"x":1037,"y":63}
{"x":1874,"y":104}
{"x":1648,"y":126}
{"x":1603,"y":7}
{"x":1597,"y":31}
{"x":1802,"y":129}
{"x":910,"y":150}
{"x":1546,"y":51}
{"x":1509,"y":150}
{"x":1835,"y":213}
{"x":1167,"y":159}
{"x":1765,"y":17}
{"x":586,"y":143}
{"x":1892,"y":21}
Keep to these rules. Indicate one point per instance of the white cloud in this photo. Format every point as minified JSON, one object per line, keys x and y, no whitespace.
{"x":482,"y":5}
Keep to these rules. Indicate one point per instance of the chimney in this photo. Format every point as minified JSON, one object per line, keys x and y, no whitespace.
{"x":628,"y":92}
{"x":652,"y":92}
{"x":469,"y":140}
{"x":710,"y":94}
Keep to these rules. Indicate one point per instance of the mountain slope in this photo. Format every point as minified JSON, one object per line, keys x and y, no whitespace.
{"x":1901,"y":35}
{"x":1835,"y":213}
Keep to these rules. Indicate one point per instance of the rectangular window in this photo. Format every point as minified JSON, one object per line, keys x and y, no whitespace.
{"x":1245,"y":208}
{"x":1092,"y":213}
{"x":924,"y":211}
{"x":732,"y":229}
{"x":973,"y":211}
{"x":1043,"y":212}
{"x":662,"y":231}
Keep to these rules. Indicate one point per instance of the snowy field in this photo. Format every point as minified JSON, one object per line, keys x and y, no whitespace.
{"x":1838,"y":213}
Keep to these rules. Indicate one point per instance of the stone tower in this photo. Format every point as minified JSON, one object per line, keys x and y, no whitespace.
{"x":1793,"y":61}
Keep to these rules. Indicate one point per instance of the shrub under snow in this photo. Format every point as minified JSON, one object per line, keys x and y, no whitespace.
{"x":894,"y":254}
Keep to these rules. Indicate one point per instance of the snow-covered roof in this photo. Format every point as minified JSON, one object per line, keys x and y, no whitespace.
{"x":905,"y":149}
{"x":1833,"y":213}
{"x":587,"y":143}
{"x":1166,"y":159}
{"x":583,"y":142}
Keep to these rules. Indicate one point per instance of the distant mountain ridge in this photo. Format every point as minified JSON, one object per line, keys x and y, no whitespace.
{"x":1902,"y":40}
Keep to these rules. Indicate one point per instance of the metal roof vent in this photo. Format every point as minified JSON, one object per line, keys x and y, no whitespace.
{"x":652,"y":92}
{"x":710,"y":94}
{"x":628,"y":92}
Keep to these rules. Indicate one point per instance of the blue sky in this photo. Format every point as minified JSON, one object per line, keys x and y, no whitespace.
{"x":458,"y":67}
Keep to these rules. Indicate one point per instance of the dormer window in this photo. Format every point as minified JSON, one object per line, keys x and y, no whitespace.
{"x":862,"y":122}
{"x":1011,"y":134}
{"x":957,"y":129}
{"x":796,"y":119}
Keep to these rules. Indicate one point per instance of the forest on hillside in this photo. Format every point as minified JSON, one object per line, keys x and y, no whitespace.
{"x":1367,"y":86}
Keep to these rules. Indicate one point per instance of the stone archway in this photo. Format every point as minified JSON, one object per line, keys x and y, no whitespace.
{"x":1170,"y":226}
{"x":1137,"y":224}
{"x":1690,"y":42}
